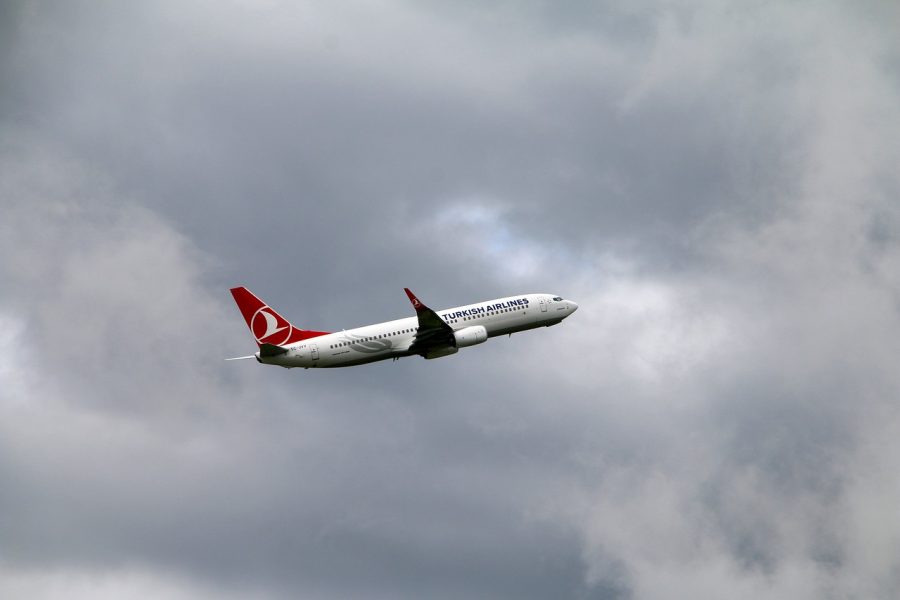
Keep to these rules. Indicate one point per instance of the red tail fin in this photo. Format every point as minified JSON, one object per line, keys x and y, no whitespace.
{"x":266,"y":325}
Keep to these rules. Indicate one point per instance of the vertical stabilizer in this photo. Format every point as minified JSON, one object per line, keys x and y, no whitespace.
{"x":266,"y":325}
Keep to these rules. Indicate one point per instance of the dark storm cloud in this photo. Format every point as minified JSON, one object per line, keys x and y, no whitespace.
{"x":715,"y":186}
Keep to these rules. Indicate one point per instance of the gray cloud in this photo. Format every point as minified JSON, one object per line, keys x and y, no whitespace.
{"x":714,"y":185}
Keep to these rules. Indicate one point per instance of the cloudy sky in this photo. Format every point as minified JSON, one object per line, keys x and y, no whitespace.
{"x":715,"y":184}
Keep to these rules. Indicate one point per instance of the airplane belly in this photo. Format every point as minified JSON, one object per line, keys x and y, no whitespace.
{"x":360,"y":353}
{"x":507,"y":328}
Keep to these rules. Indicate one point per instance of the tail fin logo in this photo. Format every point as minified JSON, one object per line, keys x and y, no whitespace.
{"x":265,"y":325}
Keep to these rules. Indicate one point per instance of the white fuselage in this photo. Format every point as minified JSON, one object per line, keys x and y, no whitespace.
{"x":392,"y":339}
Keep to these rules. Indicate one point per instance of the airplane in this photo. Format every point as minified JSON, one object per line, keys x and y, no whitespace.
{"x":430,"y":334}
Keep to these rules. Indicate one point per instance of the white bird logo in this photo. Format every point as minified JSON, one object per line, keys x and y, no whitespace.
{"x":271,"y":325}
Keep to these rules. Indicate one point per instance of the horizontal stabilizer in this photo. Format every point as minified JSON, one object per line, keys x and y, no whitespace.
{"x":271,"y":350}
{"x":242,"y":357}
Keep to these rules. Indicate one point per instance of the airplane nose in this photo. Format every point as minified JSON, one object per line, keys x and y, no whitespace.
{"x":573,"y":306}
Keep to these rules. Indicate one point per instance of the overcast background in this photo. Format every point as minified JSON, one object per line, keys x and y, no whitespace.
{"x":716,"y":184}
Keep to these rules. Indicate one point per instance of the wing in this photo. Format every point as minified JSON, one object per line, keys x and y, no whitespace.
{"x":433,"y":332}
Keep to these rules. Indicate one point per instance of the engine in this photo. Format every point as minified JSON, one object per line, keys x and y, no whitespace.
{"x":469,"y":336}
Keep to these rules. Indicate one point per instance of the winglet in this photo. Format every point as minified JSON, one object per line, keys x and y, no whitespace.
{"x":417,"y":304}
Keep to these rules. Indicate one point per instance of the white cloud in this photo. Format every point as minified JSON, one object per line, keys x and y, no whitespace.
{"x":126,"y":583}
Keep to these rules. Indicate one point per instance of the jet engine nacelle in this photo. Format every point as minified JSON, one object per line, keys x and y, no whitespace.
{"x":469,"y":336}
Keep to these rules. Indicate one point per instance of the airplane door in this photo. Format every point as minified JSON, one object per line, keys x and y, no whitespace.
{"x":314,"y":351}
{"x":543,"y":305}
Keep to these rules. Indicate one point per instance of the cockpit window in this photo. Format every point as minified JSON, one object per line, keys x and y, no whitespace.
{"x":557,"y":299}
